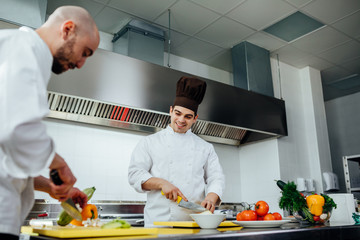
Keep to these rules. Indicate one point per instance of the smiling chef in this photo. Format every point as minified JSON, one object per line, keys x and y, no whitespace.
{"x":177,"y":162}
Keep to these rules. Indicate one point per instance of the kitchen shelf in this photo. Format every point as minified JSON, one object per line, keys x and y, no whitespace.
{"x":351,"y":177}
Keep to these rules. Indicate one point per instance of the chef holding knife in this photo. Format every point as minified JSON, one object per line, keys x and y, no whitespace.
{"x":64,"y":41}
{"x":177,"y":162}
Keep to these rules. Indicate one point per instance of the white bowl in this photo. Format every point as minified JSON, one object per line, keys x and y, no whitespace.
{"x":208,"y":220}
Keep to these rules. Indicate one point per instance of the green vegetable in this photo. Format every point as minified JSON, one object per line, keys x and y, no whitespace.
{"x":292,"y":200}
{"x":280,"y":184}
{"x":64,"y":218}
{"x":329,"y":203}
{"x":116,"y":223}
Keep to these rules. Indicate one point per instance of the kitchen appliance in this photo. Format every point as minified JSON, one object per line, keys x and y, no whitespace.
{"x":188,"y":205}
{"x":68,"y":205}
{"x":118,"y":91}
{"x":331,"y":181}
{"x":310,"y":185}
{"x":345,"y":207}
{"x":301,"y":184}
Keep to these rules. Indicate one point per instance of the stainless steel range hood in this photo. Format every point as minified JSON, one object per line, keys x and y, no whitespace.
{"x":118,"y":91}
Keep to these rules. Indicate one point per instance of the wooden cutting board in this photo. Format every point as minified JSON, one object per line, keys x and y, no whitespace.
{"x":192,"y":224}
{"x":82,"y":232}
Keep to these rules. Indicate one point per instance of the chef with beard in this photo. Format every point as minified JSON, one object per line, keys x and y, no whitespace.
{"x":27,"y":56}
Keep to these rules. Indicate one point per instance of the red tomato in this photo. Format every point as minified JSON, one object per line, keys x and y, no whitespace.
{"x":238,"y":216}
{"x":316,"y":218}
{"x":269,"y":217}
{"x":261,"y":208}
{"x":277,"y":216}
{"x":260,"y":218}
{"x":248,"y":215}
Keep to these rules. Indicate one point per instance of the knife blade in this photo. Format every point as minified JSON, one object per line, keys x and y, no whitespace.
{"x":188,"y":205}
{"x":68,"y":205}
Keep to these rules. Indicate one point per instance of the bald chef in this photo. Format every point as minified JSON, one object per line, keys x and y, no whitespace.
{"x":177,"y":162}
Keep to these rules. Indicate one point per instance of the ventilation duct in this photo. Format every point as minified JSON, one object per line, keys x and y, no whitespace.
{"x":251,"y":68}
{"x":118,"y":91}
{"x":140,"y":40}
{"x":29,"y":13}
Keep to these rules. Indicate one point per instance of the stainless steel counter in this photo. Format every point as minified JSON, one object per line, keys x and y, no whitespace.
{"x":290,"y":231}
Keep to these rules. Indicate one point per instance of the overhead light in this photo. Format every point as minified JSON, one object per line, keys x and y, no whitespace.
{"x":293,"y":26}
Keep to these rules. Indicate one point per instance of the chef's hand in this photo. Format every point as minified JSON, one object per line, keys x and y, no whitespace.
{"x":62,"y":192}
{"x":44,"y":184}
{"x":171,"y":192}
{"x":78,"y":197}
{"x":210,"y":201}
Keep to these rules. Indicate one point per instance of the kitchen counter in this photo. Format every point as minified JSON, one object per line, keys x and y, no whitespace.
{"x":287,"y":231}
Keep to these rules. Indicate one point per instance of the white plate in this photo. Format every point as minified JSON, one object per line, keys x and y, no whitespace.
{"x":261,"y":224}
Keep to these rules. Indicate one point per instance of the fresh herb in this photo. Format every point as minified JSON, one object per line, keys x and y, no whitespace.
{"x":329,"y":203}
{"x":293,"y":201}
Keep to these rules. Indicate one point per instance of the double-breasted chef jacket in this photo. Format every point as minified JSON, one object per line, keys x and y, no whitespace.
{"x":183,"y":159}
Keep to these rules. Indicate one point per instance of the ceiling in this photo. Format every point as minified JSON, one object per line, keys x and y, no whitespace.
{"x":205,"y":31}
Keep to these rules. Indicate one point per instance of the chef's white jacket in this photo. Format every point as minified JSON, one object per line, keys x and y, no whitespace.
{"x":25,"y":147}
{"x":183,"y":159}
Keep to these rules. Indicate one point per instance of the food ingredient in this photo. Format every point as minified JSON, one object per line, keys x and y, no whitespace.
{"x":247,"y":215}
{"x":64,"y":218}
{"x":207,"y":212}
{"x":277,"y":216}
{"x":269,"y":217}
{"x":261,"y":208}
{"x":88,"y":212}
{"x":116,"y":223}
{"x":315,"y":203}
{"x":313,"y":210}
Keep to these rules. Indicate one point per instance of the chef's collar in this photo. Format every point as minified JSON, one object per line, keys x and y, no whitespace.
{"x":171,"y":131}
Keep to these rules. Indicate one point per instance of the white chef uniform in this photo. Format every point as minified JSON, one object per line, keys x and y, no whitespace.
{"x":183,"y":159}
{"x":25,"y":147}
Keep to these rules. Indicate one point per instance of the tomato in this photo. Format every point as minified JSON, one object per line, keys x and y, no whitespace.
{"x":316,"y":218}
{"x":261,"y":208}
{"x":248,"y":215}
{"x":238,"y":216}
{"x":260,"y":218}
{"x":269,"y":217}
{"x":277,"y":216}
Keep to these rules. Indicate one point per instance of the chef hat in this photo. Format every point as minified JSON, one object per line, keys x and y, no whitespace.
{"x":190,"y":93}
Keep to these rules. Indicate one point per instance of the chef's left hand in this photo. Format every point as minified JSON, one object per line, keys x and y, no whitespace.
{"x":210,"y":201}
{"x":78,"y":197}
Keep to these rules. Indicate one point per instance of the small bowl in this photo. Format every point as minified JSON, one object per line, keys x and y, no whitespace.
{"x":208,"y":220}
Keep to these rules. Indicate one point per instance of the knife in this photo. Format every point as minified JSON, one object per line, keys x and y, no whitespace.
{"x":68,"y":205}
{"x":189,"y":205}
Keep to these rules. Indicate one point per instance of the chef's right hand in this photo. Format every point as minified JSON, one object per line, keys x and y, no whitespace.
{"x":171,"y":192}
{"x":62,"y":192}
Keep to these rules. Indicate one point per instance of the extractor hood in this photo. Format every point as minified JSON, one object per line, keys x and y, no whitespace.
{"x":119,"y":91}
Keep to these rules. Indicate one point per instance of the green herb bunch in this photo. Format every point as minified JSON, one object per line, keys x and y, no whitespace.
{"x":293,"y":201}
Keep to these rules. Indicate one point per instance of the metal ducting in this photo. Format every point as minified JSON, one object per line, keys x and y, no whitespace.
{"x":29,"y":13}
{"x":118,"y":91}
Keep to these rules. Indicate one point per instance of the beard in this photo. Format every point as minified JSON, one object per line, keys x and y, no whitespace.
{"x":62,"y":56}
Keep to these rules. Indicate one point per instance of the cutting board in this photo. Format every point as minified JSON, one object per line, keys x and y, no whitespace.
{"x":82,"y":232}
{"x":192,"y":224}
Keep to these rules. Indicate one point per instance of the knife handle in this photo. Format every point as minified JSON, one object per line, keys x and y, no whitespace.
{"x":54,"y":175}
{"x":178,"y":197}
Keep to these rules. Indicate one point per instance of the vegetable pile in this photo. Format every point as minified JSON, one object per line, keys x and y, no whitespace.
{"x":313,"y":208}
{"x":260,"y":213}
